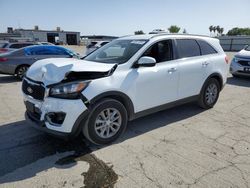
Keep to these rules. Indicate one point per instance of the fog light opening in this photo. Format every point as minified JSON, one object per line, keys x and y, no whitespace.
{"x":55,"y":118}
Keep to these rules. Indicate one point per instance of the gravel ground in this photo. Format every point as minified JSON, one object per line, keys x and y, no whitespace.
{"x":180,"y":147}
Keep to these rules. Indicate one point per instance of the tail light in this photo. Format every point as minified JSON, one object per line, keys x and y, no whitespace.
{"x":3,"y":59}
{"x":2,"y":50}
{"x":226,"y":59}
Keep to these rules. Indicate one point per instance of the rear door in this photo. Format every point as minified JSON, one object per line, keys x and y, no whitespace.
{"x":191,"y":66}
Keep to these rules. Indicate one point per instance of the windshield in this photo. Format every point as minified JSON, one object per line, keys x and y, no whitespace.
{"x":117,"y":51}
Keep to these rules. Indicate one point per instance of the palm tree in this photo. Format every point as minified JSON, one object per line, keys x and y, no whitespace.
{"x":214,"y":29}
{"x":210,"y":29}
{"x":221,"y":31}
{"x":218,"y":29}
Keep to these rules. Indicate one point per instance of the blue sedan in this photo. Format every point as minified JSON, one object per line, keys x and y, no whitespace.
{"x":17,"y":62}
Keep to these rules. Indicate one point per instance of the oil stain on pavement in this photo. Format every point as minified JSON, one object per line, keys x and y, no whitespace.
{"x":18,"y":151}
{"x":99,"y":173}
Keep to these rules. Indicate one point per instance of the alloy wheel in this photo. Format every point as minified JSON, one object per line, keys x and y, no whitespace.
{"x":108,"y":122}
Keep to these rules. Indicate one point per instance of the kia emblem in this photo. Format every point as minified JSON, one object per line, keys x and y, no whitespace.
{"x":30,"y":90}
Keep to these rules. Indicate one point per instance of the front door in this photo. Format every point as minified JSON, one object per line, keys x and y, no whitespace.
{"x":157,"y":85}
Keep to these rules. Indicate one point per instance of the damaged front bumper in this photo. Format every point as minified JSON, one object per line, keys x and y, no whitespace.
{"x":59,"y":117}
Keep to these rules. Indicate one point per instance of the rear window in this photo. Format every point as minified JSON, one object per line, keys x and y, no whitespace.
{"x":3,"y":45}
{"x":187,"y":48}
{"x":206,"y":48}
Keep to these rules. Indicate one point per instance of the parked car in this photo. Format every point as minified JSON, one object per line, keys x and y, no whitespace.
{"x":10,"y":46}
{"x":17,"y":62}
{"x":128,"y":78}
{"x":94,"y":45}
{"x":240,"y":65}
{"x":46,"y":43}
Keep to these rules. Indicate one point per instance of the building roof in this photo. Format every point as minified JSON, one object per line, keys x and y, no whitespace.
{"x":47,"y":31}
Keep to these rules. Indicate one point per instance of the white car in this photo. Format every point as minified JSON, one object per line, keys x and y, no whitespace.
{"x":240,"y":65}
{"x":128,"y":78}
{"x":94,"y":45}
{"x":11,"y":46}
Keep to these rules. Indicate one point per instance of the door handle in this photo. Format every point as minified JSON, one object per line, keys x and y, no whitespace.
{"x":205,"y":63}
{"x":171,"y":70}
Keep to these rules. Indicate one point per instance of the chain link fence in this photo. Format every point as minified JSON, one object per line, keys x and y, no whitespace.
{"x":234,"y":43}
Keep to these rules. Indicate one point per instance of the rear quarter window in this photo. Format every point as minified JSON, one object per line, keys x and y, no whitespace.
{"x":187,"y":48}
{"x":206,"y":48}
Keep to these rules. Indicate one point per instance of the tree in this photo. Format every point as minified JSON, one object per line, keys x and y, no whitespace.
{"x":184,"y":31}
{"x":139,"y":32}
{"x":214,"y":29}
{"x":238,"y":31}
{"x":174,"y":29}
{"x":211,"y":29}
{"x":218,"y":29}
{"x":221,"y":30}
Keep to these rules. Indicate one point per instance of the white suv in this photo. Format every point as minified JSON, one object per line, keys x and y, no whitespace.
{"x":128,"y":78}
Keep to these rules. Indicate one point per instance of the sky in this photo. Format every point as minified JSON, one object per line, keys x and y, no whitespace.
{"x":123,"y":17}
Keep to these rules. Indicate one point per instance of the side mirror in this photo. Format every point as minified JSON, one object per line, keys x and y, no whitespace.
{"x":245,"y":47}
{"x":146,"y":61}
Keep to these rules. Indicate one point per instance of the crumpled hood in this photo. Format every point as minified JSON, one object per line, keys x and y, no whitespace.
{"x":54,"y":70}
{"x":243,"y":54}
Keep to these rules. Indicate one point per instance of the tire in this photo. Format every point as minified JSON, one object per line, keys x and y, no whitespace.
{"x":20,"y":71}
{"x":209,"y":94}
{"x":96,"y":128}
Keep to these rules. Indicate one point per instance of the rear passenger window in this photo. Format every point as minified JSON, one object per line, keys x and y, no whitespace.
{"x":187,"y":48}
{"x":206,"y":48}
{"x":161,"y":51}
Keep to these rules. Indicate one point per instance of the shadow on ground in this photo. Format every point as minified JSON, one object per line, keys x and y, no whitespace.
{"x":8,"y":79}
{"x":21,"y":145}
{"x":241,"y":81}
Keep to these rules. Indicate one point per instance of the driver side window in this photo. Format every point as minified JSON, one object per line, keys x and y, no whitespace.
{"x":162,"y":51}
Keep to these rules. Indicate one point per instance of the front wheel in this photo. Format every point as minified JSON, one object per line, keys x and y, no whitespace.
{"x":106,"y":122}
{"x":209,"y":94}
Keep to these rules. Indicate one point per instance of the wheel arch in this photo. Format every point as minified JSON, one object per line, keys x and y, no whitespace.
{"x":119,"y":96}
{"x":217,"y":76}
{"x":21,"y":66}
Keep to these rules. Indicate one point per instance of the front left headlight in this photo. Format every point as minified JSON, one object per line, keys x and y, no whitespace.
{"x":68,"y":90}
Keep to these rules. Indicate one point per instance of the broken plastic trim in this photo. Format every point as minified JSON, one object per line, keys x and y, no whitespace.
{"x":74,"y":76}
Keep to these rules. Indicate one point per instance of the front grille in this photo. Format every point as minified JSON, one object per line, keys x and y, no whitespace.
{"x":244,"y":63}
{"x":34,"y":90}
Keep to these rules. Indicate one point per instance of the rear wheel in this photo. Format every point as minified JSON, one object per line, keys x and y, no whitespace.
{"x":106,"y":122}
{"x":20,"y":72}
{"x":209,"y":94}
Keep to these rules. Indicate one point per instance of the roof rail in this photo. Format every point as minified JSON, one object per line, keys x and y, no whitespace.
{"x":180,"y":34}
{"x":125,"y":36}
